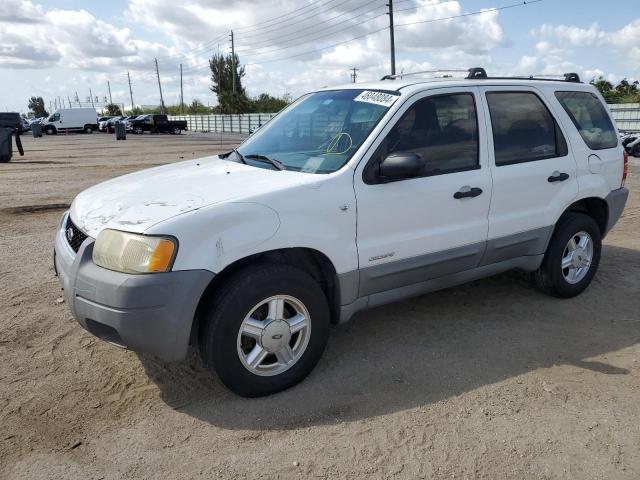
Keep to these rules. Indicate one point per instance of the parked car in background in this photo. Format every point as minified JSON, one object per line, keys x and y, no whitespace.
{"x":102,"y":123}
{"x":399,"y":188}
{"x":631,"y":143}
{"x":71,"y":120}
{"x":26,"y":125}
{"x":156,"y":123}
{"x":110,"y":124}
{"x":127,"y":121}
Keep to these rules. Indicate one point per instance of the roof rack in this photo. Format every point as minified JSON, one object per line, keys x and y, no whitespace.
{"x":447,"y":70}
{"x":479,"y":73}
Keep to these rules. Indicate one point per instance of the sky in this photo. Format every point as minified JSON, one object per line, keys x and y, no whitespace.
{"x":56,"y":49}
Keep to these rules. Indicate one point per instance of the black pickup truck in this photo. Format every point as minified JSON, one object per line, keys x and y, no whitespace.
{"x":157,"y":124}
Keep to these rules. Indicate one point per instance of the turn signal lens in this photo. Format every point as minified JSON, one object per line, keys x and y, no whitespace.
{"x":133,"y":253}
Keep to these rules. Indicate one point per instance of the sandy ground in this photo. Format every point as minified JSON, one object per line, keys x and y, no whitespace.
{"x":489,"y":380}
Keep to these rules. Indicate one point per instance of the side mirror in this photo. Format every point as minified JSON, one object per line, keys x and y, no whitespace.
{"x":399,"y":165}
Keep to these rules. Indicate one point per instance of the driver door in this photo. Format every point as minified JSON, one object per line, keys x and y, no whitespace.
{"x":417,"y":229}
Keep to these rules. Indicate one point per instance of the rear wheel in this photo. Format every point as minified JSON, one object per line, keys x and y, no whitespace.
{"x":88,"y":129}
{"x":572,"y":257}
{"x":176,"y":131}
{"x":265,"y":330}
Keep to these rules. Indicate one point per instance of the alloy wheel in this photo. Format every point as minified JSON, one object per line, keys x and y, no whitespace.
{"x":274,"y":335}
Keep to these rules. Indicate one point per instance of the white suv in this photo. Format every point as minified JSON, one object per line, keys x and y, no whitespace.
{"x":350,"y":198}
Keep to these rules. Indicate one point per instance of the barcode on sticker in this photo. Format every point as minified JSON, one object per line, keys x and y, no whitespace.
{"x":379,"y":98}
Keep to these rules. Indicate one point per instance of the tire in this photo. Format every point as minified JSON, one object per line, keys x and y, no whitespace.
{"x":551,"y":278}
{"x":635,"y":151}
{"x":88,"y":129}
{"x":137,"y":130}
{"x":50,"y":130}
{"x":175,"y":131}
{"x":226,"y":351}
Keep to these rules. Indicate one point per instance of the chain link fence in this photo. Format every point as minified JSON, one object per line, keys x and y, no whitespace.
{"x":627,"y":116}
{"x":233,"y":123}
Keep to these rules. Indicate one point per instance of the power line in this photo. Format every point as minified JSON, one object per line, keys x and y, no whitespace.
{"x":315,"y":20}
{"x":208,"y":44}
{"x":287,"y":16}
{"x":321,"y":27}
{"x":480,"y":12}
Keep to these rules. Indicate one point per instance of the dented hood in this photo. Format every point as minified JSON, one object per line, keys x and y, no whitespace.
{"x":137,"y":201}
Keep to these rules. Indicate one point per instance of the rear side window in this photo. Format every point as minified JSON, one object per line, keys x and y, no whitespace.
{"x":590,"y":118}
{"x":523,"y":128}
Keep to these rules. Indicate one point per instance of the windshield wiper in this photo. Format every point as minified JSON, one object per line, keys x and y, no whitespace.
{"x":263,"y":158}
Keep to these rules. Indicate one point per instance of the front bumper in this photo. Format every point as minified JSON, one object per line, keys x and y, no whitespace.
{"x":150,"y":313}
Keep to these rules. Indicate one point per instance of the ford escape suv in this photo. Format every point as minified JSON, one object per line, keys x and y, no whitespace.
{"x":350,"y":198}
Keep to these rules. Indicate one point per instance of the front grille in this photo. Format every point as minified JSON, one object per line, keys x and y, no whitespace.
{"x":74,"y":235}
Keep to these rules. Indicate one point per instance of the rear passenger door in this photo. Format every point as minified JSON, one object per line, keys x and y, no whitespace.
{"x":534,"y":173}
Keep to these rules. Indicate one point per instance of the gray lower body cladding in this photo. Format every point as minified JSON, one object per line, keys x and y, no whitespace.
{"x":150,"y":313}
{"x":616,"y":200}
{"x":405,"y":278}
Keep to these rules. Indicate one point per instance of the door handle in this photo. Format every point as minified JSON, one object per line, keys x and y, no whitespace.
{"x":467,"y":192}
{"x":558,"y":177}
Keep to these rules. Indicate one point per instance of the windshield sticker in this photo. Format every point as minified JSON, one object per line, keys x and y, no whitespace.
{"x":377,"y":98}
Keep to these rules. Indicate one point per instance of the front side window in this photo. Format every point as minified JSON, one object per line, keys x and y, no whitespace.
{"x":321,"y":131}
{"x":443,"y":129}
{"x":590,"y":118}
{"x":523,"y":128}
{"x":55,"y":117}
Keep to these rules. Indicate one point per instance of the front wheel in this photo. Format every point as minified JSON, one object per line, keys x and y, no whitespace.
{"x":50,"y":130}
{"x":137,"y":130}
{"x":265,"y":330}
{"x":572,"y":257}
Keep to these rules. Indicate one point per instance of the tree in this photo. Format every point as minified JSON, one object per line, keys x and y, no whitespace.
{"x":113,"y":109}
{"x":222,"y":83}
{"x":623,"y":92}
{"x":36,"y":105}
{"x":266,"y":103}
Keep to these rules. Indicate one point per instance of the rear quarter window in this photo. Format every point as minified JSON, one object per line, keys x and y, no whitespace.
{"x":590,"y":118}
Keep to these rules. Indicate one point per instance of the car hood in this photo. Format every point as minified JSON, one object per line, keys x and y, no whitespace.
{"x":137,"y":201}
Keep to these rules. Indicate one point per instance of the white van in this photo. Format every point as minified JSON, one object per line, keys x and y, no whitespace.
{"x":350,"y":198}
{"x":71,"y":119}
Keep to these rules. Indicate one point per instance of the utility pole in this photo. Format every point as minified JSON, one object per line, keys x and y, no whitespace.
{"x":91,"y":98}
{"x":391,"y":38}
{"x":109,"y":88}
{"x":59,"y":102}
{"x":162,"y":110}
{"x":181,"y":92}
{"x":70,"y":106}
{"x":354,"y":75}
{"x":78,"y":99}
{"x":130,"y":91}
{"x":219,"y":72}
{"x":233,"y":63}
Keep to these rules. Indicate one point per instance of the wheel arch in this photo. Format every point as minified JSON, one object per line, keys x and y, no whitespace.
{"x":595,"y":207}
{"x":310,"y":260}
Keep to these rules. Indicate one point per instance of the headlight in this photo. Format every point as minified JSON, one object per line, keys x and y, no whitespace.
{"x":133,"y":253}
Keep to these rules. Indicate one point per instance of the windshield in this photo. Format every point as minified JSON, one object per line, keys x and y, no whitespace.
{"x":321,"y":131}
